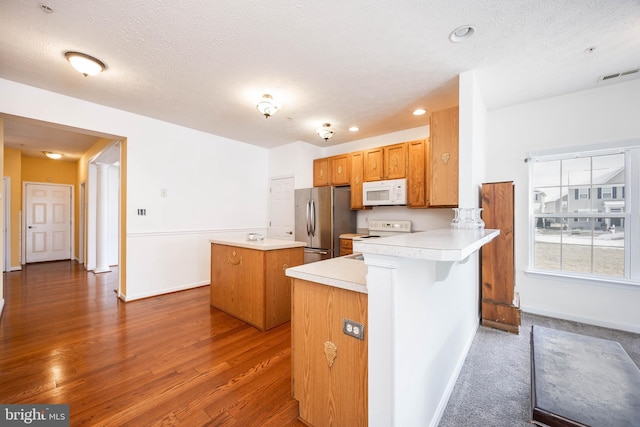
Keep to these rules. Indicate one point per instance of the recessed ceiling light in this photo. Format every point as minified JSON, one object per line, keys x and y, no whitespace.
{"x":354,"y":129}
{"x":419,"y":112}
{"x":462,"y":33}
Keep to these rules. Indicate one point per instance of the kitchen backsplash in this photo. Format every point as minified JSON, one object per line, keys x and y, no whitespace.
{"x":421,"y":219}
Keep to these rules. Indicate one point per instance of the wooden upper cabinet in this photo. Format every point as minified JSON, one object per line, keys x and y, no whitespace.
{"x":357,"y":177}
{"x":388,"y":162}
{"x":321,"y":172}
{"x":395,"y":161}
{"x":373,"y":168}
{"x":340,"y":169}
{"x":418,"y":174}
{"x":444,"y":157}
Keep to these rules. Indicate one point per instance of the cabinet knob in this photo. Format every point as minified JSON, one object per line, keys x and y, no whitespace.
{"x":284,"y":267}
{"x":330,"y":352}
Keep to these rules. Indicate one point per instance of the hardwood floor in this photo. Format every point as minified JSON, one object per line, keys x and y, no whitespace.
{"x":166,"y":360}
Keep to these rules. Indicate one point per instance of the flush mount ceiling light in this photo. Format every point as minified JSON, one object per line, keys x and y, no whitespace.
{"x":325,"y":131}
{"x":419,"y":112}
{"x":267,"y":106}
{"x":85,"y":64}
{"x":54,"y":156}
{"x":462,"y":33}
{"x":354,"y":129}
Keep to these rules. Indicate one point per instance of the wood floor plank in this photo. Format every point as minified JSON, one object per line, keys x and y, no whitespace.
{"x":166,"y":360}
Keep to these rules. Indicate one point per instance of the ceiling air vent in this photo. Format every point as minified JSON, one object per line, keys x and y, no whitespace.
{"x":616,"y":75}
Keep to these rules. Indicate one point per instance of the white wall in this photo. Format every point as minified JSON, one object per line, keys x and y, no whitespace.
{"x":113,"y":220}
{"x":216,"y":186}
{"x":608,"y":113}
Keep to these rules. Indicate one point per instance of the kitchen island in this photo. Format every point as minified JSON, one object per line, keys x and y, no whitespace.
{"x":422,"y":294}
{"x":248,"y":279}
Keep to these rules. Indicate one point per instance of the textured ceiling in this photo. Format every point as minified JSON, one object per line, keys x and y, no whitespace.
{"x":204,"y":64}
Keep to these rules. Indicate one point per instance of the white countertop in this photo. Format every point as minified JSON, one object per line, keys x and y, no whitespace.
{"x":343,"y":272}
{"x":261,"y":245}
{"x":437,"y":245}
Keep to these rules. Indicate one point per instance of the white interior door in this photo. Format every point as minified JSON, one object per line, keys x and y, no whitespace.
{"x":47,"y":222}
{"x":282,"y":208}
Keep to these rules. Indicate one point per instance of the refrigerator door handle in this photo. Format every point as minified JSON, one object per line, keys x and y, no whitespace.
{"x":313,"y":217}
{"x":308,"y":217}
{"x":316,"y":251}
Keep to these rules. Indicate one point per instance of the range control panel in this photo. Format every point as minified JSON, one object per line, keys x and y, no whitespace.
{"x":394,"y":226}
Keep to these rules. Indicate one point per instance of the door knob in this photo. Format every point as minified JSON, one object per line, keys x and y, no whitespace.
{"x":289,"y":232}
{"x":31,"y":226}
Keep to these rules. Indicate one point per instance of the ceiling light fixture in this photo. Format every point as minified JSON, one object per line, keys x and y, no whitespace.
{"x":462,"y":33}
{"x":419,"y":112}
{"x":85,"y":64}
{"x":354,"y":129}
{"x":325,"y":131}
{"x":267,"y":106}
{"x":54,"y":156}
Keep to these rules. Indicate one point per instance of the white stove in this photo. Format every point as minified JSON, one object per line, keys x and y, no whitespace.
{"x":385,"y":228}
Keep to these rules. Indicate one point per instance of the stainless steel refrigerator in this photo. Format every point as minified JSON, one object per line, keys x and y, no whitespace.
{"x":322,"y":215}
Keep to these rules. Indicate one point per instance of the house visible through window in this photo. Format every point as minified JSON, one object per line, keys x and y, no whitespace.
{"x":579,"y":214}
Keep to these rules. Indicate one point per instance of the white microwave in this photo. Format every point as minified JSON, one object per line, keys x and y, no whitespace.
{"x":385,"y":193}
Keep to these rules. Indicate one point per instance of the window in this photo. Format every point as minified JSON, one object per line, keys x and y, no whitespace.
{"x":580,"y":220}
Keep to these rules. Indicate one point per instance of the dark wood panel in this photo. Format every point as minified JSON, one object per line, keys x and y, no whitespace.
{"x":498,"y":275}
{"x":171,"y":359}
{"x":500,"y":306}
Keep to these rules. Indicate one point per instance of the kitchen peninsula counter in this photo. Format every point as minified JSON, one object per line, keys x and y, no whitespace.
{"x":435,"y":245}
{"x":248,"y":279}
{"x":345,"y":272}
{"x":419,"y":319}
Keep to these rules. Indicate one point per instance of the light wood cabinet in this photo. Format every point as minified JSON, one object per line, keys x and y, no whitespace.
{"x":418,"y":174}
{"x":373,"y":164}
{"x":251,"y":284}
{"x":357,"y":177}
{"x":346,"y":247}
{"x":444,"y":157}
{"x":395,"y":161}
{"x":500,"y":305}
{"x":321,"y":172}
{"x":340,"y":169}
{"x":328,"y":394}
{"x":388,"y":162}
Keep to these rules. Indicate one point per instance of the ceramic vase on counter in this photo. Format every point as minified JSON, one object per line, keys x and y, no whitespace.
{"x":467,"y":218}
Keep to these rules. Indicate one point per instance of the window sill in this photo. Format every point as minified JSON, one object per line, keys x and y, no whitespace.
{"x":576,"y":278}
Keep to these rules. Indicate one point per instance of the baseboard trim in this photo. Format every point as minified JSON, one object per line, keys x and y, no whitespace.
{"x":435,"y":421}
{"x":128,"y":297}
{"x":16,"y":268}
{"x":581,"y":319}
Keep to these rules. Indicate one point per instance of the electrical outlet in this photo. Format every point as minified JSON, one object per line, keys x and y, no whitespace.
{"x":353,"y":329}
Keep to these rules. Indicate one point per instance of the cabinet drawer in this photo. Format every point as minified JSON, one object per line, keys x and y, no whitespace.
{"x":346,"y":244}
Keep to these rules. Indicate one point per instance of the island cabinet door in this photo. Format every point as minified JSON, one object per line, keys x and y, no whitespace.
{"x":237,"y":283}
{"x":278,"y":285}
{"x":330,"y":368}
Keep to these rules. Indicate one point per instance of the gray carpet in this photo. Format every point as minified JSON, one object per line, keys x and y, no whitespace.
{"x":494,"y":389}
